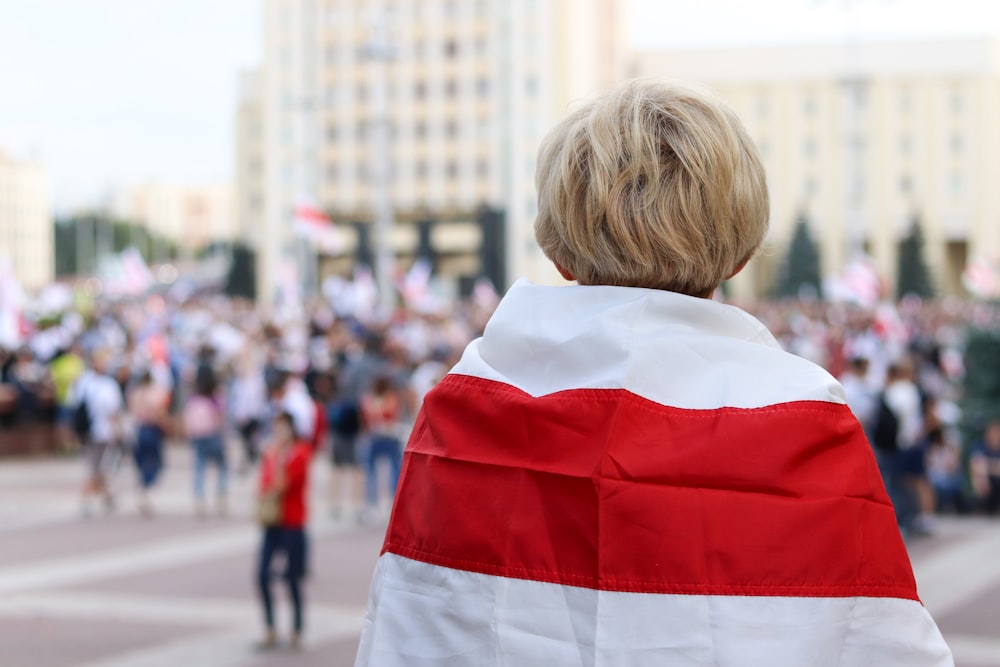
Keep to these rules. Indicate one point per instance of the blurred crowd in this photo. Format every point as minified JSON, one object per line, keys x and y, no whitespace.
{"x":213,"y":370}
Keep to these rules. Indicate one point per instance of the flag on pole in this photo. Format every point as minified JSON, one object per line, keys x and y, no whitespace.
{"x":12,"y":323}
{"x":859,"y":283}
{"x":415,"y":285}
{"x":313,"y":225}
{"x":616,"y":476}
{"x":982,"y":279}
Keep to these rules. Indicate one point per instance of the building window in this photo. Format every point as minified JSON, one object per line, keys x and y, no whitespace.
{"x":482,"y":168}
{"x":905,"y":102}
{"x":482,"y":87}
{"x":361,"y":92}
{"x":451,"y":49}
{"x":809,"y":148}
{"x":332,"y":173}
{"x":957,"y":183}
{"x":451,"y":128}
{"x":531,"y":85}
{"x":421,"y":170}
{"x":956,"y":102}
{"x":810,"y":187}
{"x":905,"y":144}
{"x":764,"y":148}
{"x":450,"y":88}
{"x":420,"y":90}
{"x":762,"y":107}
{"x":956,"y":144}
{"x":906,"y":184}
{"x":451,"y":169}
{"x":332,"y":133}
{"x":420,"y":129}
{"x":809,"y":106}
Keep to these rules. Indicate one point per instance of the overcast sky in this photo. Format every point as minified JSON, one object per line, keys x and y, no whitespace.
{"x":111,"y":92}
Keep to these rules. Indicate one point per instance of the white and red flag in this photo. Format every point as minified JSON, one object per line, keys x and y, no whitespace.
{"x":616,"y":476}
{"x":982,"y":278}
{"x":315,"y":226}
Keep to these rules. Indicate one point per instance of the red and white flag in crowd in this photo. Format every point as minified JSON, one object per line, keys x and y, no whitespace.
{"x":614,"y":477}
{"x":12,"y":322}
{"x":982,"y":279}
{"x":859,"y":283}
{"x":315,"y":226}
{"x":415,"y":285}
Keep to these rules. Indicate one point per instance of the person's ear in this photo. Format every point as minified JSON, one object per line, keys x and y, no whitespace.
{"x":564,"y":272}
{"x":742,"y":265}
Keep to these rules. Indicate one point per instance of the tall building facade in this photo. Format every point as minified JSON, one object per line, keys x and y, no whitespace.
{"x":26,"y":231}
{"x":459,"y":92}
{"x":192,"y":216}
{"x":249,"y":165}
{"x":862,"y":139}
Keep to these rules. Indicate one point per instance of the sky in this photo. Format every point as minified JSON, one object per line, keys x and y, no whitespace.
{"x":111,"y":92}
{"x":108,"y":93}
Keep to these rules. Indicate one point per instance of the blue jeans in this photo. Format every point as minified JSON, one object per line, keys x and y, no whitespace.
{"x":387,"y":447}
{"x":209,"y":449}
{"x":291,"y":542}
{"x":149,"y":454}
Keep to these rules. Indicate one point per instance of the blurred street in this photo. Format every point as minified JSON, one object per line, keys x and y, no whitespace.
{"x":123,"y":591}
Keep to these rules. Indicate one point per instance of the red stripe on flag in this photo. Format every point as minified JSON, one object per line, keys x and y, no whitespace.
{"x":607,"y":490}
{"x":308,"y":214}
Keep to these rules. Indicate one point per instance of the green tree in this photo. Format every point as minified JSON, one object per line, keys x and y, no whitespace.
{"x":913,"y":276}
{"x":242,"y":278}
{"x":80,"y":239}
{"x":801,"y":269}
{"x":981,"y":383}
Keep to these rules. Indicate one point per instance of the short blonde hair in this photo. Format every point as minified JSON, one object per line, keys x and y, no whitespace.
{"x":652,"y":185}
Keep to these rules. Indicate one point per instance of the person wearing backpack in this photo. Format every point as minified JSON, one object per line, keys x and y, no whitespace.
{"x":97,"y":414}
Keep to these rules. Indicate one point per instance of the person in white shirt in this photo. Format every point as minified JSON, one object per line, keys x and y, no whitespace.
{"x":862,"y":397}
{"x":103,"y":402}
{"x":903,"y":398}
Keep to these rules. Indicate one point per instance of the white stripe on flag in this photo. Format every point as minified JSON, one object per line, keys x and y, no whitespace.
{"x":673,"y":349}
{"x":488,"y":620}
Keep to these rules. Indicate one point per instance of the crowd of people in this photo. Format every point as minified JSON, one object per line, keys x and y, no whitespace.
{"x":342,"y":384}
{"x":213,"y":369}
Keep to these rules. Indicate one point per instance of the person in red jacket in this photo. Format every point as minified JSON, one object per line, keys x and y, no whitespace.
{"x":284,"y":481}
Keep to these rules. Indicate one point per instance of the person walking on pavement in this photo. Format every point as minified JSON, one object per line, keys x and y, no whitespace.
{"x":203,"y":425}
{"x":282,"y":512}
{"x":381,"y":417}
{"x":148,"y":404}
{"x":97,"y":420}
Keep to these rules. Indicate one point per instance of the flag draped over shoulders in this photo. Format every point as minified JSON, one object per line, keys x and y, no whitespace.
{"x":618,"y":476}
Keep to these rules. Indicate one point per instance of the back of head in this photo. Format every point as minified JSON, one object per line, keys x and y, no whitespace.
{"x":653,"y":185}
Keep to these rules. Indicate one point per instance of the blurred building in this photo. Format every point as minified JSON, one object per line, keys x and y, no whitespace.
{"x":26,"y":231}
{"x":249,"y":168}
{"x":466,"y":90}
{"x":192,"y":216}
{"x":863,"y":138}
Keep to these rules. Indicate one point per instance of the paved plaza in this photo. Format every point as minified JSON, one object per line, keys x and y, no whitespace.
{"x":175,"y":590}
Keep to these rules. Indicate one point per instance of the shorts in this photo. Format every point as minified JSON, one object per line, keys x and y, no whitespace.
{"x":99,"y":455}
{"x":343,"y":450}
{"x":911,"y":462}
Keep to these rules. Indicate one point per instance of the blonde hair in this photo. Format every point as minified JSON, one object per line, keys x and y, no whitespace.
{"x":652,"y":185}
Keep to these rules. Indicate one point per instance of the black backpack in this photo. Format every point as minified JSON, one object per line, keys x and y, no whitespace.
{"x":81,"y":418}
{"x":885,"y":433}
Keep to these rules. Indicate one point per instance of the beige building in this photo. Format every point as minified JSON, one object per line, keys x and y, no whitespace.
{"x":191,"y":216}
{"x":249,"y":167}
{"x":26,"y":232}
{"x":861,"y":138}
{"x":464,"y":93}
